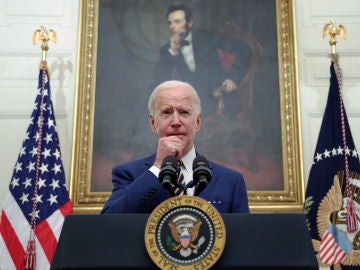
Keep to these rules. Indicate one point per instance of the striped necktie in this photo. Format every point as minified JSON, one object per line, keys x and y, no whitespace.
{"x":181,"y":180}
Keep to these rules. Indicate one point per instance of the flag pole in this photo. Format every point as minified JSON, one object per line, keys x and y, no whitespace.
{"x":38,"y":201}
{"x":44,"y":36}
{"x":332,"y":30}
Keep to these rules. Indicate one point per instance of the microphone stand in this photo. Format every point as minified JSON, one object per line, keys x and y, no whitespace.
{"x":188,"y":185}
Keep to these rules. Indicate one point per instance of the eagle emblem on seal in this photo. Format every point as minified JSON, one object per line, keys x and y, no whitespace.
{"x":184,"y":231}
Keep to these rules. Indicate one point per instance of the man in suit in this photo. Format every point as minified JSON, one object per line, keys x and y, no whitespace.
{"x":196,"y":57}
{"x":175,"y":117}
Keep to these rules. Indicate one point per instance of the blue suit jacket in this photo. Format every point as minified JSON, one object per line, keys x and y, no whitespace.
{"x":138,"y":190}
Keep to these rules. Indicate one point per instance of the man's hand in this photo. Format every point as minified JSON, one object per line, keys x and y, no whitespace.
{"x":168,"y":146}
{"x":175,"y":42}
{"x":229,"y":86}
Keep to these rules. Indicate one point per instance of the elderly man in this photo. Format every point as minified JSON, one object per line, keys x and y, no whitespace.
{"x":175,"y":117}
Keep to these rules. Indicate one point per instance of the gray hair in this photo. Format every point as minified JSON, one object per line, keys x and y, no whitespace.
{"x":170,"y":84}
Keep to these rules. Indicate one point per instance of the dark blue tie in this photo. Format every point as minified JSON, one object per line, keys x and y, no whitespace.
{"x":181,"y":180}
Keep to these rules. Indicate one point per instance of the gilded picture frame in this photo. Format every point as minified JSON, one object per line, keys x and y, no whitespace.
{"x":88,"y":196}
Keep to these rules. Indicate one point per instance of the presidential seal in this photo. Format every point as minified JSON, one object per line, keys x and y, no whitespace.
{"x":185,"y":232}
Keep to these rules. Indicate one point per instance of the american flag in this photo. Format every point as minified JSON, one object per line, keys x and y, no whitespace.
{"x":332,"y":194}
{"x":38,"y":201}
{"x":334,"y":246}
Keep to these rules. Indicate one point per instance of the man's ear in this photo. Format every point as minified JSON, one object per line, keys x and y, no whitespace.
{"x":152,"y":123}
{"x":190,"y":24}
{"x":198,"y":123}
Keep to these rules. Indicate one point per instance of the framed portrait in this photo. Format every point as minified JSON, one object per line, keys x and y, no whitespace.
{"x":253,"y":129}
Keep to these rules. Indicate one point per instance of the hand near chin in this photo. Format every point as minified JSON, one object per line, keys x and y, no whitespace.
{"x":175,"y":43}
{"x":168,"y":146}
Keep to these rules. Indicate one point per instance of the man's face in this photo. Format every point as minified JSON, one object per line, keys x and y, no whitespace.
{"x":175,"y":115}
{"x":177,"y":23}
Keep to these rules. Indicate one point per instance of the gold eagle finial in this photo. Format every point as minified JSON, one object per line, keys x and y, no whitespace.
{"x":44,"y":36}
{"x":332,"y":30}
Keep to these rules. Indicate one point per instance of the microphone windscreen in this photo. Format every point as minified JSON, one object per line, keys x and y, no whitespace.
{"x":200,"y":161}
{"x":201,"y":168}
{"x":201,"y":174}
{"x":169,"y":160}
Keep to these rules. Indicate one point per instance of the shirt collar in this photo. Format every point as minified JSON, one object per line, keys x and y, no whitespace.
{"x":189,"y":37}
{"x":188,"y":159}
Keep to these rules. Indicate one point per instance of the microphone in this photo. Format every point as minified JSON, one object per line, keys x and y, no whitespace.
{"x":168,"y":174}
{"x":201,"y":174}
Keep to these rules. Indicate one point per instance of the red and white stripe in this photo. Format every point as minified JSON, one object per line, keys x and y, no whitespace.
{"x":15,"y":232}
{"x":330,"y":251}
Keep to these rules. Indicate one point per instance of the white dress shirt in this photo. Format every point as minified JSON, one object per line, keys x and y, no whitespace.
{"x":188,"y":53}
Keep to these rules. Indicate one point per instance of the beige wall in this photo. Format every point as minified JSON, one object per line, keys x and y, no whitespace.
{"x":19,"y":60}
